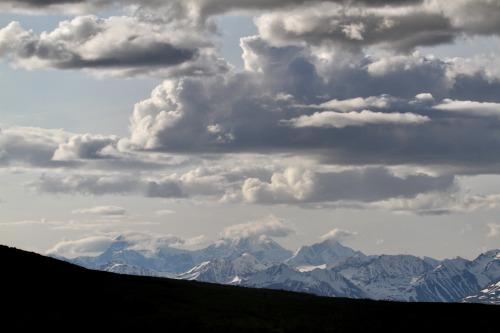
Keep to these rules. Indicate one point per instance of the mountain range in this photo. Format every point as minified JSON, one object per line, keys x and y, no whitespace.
{"x":45,"y":294}
{"x":325,"y":269}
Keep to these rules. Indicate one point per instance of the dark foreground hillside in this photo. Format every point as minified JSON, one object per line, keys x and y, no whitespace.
{"x":40,"y":293}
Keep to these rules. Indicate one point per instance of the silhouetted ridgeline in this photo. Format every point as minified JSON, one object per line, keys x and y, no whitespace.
{"x":41,"y":292}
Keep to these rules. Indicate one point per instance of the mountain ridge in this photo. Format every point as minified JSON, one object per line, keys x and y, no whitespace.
{"x":327,"y":268}
{"x":48,"y":293}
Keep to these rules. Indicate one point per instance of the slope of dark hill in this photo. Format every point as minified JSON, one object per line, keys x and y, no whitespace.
{"x":45,"y":293}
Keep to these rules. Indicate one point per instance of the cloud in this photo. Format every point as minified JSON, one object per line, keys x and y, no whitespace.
{"x":365,"y":117}
{"x":494,"y":230}
{"x":434,"y":203}
{"x":270,"y":226}
{"x":85,"y":146}
{"x":399,"y":26}
{"x":31,"y":146}
{"x":339,"y":235}
{"x":355,"y":27}
{"x":164,"y":189}
{"x":116,"y":46}
{"x":138,"y":241}
{"x":164,"y":212}
{"x":291,"y":185}
{"x":472,"y":108}
{"x":358,"y":103}
{"x":88,"y":184}
{"x":475,"y":17}
{"x":338,"y":87}
{"x":149,"y":241}
{"x":102,"y":210}
{"x":299,"y":186}
{"x":90,"y":245}
{"x":245,"y":112}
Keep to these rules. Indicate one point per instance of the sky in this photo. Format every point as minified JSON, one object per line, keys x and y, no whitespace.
{"x":177,"y":123}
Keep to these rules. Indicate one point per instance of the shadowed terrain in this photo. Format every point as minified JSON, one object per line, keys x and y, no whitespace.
{"x":41,"y":292}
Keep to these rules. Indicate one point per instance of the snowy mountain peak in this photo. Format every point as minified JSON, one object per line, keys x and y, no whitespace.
{"x":327,"y":268}
{"x":263,"y":248}
{"x":321,"y":254}
{"x":224,"y":270}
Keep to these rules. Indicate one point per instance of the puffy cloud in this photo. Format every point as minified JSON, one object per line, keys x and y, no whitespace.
{"x":296,"y":186}
{"x":339,"y":235}
{"x":102,"y":210}
{"x":308,"y":89}
{"x":270,"y":226}
{"x":246,"y":112}
{"x":291,"y":185}
{"x":118,"y":45}
{"x":85,"y":146}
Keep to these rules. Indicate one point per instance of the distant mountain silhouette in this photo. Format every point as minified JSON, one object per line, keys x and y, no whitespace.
{"x":41,"y":293}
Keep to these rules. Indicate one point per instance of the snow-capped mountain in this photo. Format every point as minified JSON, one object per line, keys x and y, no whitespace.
{"x":318,"y":281}
{"x":168,"y":261}
{"x":458,"y":278}
{"x":327,"y":268}
{"x":321,"y":254}
{"x":165,"y":261}
{"x":488,"y":295}
{"x":124,"y":268}
{"x":264,"y":249}
{"x":384,"y":277}
{"x":224,"y":271}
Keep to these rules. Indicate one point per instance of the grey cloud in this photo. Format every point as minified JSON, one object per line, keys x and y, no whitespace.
{"x":355,"y":25}
{"x":352,"y":30}
{"x":247,"y":112}
{"x":439,"y":203}
{"x":114,"y":46}
{"x":478,"y":87}
{"x":49,"y":149}
{"x":296,"y":186}
{"x":212,"y":7}
{"x":474,"y":16}
{"x":84,"y":146}
{"x":31,"y":147}
{"x":163,"y":189}
{"x":88,"y":184}
{"x":209,"y":6}
{"x":156,"y":54}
